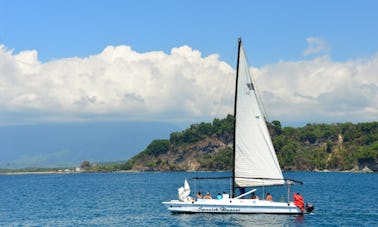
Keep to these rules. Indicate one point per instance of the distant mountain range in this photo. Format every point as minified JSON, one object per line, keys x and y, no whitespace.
{"x":67,"y":145}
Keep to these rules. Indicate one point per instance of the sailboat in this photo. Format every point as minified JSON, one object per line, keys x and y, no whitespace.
{"x":255,"y":162}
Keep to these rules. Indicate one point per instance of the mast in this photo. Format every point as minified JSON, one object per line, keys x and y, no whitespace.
{"x":235,"y":103}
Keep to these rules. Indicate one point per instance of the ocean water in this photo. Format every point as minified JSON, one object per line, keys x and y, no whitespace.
{"x":134,"y":199}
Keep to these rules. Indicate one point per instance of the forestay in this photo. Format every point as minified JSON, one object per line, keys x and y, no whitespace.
{"x":256,"y":162}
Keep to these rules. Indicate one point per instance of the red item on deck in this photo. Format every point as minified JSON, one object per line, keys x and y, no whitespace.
{"x":298,"y":201}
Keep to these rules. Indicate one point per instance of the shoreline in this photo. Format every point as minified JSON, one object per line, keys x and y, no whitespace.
{"x":62,"y":172}
{"x":135,"y":171}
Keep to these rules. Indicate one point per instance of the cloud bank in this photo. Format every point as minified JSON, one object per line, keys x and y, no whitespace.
{"x":321,"y":90}
{"x":122,"y":84}
{"x":117,"y":84}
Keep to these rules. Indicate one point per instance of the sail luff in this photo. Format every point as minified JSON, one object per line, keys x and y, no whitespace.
{"x":255,"y":161}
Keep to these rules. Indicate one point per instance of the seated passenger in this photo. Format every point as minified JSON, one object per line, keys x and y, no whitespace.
{"x":219,"y":196}
{"x":268,"y":197}
{"x":199,"y":195}
{"x":225,"y":195}
{"x":254,"y":196}
{"x":207,"y":196}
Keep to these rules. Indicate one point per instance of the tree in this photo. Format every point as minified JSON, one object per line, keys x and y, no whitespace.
{"x":277,"y":127}
{"x":158,"y":147}
{"x":85,"y":165}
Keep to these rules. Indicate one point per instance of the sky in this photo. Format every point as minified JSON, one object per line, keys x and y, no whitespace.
{"x":174,"y":61}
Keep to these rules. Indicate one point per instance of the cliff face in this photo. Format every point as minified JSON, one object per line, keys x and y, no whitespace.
{"x":368,"y":165}
{"x":188,"y":157}
{"x":314,"y":147}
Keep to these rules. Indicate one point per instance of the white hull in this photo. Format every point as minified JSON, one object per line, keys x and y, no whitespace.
{"x":241,"y":206}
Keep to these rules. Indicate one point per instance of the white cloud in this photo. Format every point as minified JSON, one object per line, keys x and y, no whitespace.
{"x":321,"y":90}
{"x":121,"y":84}
{"x":117,"y":83}
{"x":316,"y":46}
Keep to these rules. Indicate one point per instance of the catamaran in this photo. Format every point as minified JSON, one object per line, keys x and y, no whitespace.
{"x":255,"y":162}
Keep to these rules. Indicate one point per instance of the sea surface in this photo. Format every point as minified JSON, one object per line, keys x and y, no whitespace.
{"x":134,"y":199}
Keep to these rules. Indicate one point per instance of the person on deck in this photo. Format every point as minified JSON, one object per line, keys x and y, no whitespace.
{"x":268,"y":197}
{"x":298,"y":201}
{"x":208,"y":196}
{"x":219,"y":196}
{"x":254,"y":196}
{"x":199,"y":195}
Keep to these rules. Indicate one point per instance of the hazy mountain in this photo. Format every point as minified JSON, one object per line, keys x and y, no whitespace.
{"x":51,"y":145}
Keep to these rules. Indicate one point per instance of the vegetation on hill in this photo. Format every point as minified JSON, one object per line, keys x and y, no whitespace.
{"x":208,"y":146}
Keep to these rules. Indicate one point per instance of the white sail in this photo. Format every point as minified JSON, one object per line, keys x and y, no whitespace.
{"x":256,"y":163}
{"x":183,"y":192}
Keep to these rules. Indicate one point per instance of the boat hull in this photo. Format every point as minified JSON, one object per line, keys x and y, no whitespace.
{"x":242,"y":206}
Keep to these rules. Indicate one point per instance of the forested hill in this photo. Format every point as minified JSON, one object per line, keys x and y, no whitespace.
{"x":208,"y":146}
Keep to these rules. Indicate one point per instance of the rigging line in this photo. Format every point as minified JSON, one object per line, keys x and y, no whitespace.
{"x":262,"y":128}
{"x":270,"y":144}
{"x":258,"y":93}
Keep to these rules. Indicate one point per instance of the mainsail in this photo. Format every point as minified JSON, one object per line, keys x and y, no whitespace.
{"x":256,"y":162}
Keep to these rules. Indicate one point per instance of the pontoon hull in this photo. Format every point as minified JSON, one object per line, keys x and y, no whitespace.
{"x":243,"y":206}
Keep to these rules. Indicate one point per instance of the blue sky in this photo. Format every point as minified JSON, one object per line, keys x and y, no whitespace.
{"x":273,"y":30}
{"x":72,"y":61}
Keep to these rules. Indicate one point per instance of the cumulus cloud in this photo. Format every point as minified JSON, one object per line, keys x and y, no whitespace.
{"x":117,"y":83}
{"x":122,"y":84}
{"x":321,"y":90}
{"x":316,"y":45}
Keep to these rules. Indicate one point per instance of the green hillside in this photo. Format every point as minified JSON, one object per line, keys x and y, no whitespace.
{"x":208,"y":146}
